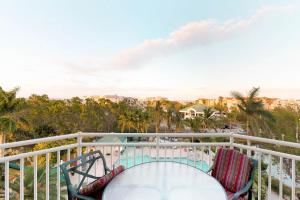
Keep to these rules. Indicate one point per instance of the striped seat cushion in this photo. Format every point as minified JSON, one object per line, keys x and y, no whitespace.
{"x":96,"y":188}
{"x":232,"y":169}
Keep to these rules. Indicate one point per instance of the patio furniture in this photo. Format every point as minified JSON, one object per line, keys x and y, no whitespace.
{"x":82,"y":166}
{"x":235,"y":171}
{"x":164,"y":180}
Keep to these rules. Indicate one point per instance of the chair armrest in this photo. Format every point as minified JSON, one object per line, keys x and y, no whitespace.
{"x":83,"y":197}
{"x":243,"y":190}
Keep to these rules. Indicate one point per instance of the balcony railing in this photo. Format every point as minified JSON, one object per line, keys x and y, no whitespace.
{"x":278,"y":175}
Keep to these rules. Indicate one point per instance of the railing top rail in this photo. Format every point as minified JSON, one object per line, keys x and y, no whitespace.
{"x":39,"y":140}
{"x":147,"y":135}
{"x":267,"y":140}
{"x":189,"y":135}
{"x":269,"y":152}
{"x":151,"y":144}
{"x":34,"y":153}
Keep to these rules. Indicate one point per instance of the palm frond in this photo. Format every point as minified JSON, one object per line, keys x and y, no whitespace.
{"x":254,"y":92}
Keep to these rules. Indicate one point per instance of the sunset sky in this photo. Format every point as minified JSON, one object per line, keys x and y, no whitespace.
{"x":180,"y":49}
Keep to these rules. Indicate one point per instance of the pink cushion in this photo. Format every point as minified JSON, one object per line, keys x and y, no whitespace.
{"x":232,"y":169}
{"x":96,"y":188}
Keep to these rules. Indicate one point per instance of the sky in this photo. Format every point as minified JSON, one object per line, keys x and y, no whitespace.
{"x":180,"y":49}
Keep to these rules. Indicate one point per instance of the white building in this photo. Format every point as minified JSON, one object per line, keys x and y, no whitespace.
{"x":196,"y":111}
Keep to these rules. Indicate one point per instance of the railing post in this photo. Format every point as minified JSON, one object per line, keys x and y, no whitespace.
{"x":6,"y":184}
{"x":79,"y":152}
{"x":231,"y":141}
{"x":79,"y":144}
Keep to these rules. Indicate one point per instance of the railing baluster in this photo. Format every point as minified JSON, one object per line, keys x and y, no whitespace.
{"x":173,"y":153}
{"x":134,"y":153}
{"x":35,"y":177}
{"x":165,"y":153}
{"x":188,"y":155}
{"x":194,"y":156}
{"x":293,"y":179}
{"x":6,"y":180}
{"x":127,"y":157}
{"x":111,"y":157}
{"x":68,"y":154}
{"x":58,"y":176}
{"x":281,"y":177}
{"x":231,"y":141}
{"x":210,"y":157}
{"x":248,"y":151}
{"x":96,"y":167}
{"x":259,"y":177}
{"x":202,"y":150}
{"x":79,"y":153}
{"x":157,"y":146}
{"x":142,"y":154}
{"x":270,"y":178}
{"x":47,"y":176}
{"x":22,"y":179}
{"x":180,"y":154}
{"x":119,"y":155}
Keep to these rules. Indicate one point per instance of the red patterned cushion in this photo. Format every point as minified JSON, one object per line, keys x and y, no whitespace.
{"x":232,"y":169}
{"x":230,"y":196}
{"x":95,"y":188}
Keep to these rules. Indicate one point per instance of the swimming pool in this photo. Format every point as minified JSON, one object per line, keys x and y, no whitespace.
{"x":130,"y":162}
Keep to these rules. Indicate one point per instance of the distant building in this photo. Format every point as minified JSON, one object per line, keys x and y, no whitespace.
{"x":196,"y":111}
{"x":228,"y":102}
{"x":158,"y":98}
{"x":207,"y":102}
{"x":114,"y":98}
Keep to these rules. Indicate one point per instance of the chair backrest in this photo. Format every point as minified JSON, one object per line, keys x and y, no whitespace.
{"x":76,"y":166}
{"x":233,"y":169}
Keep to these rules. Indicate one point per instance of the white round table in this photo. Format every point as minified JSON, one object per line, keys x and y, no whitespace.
{"x":164,"y":181}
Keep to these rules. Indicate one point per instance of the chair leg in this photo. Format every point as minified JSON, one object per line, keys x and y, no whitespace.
{"x":250,"y":194}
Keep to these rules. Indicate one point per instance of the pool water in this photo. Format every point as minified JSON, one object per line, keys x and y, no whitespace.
{"x":130,"y":162}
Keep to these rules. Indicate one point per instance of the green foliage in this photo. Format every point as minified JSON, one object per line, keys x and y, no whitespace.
{"x":286,"y":124}
{"x":38,"y":116}
{"x":263,"y":186}
{"x":41,"y":186}
{"x":253,"y":110}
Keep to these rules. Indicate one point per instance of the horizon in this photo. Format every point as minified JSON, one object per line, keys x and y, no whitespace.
{"x":178,"y":50}
{"x":146,"y":97}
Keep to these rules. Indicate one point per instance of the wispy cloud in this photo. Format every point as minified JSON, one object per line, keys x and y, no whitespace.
{"x":188,"y":36}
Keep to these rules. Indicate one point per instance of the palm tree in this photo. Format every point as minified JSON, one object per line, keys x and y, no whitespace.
{"x":158,"y":115}
{"x":209,"y":120}
{"x":122,"y":121}
{"x":253,"y":110}
{"x":194,"y":123}
{"x":9,"y":118}
{"x":179,"y":123}
{"x":144,"y":122}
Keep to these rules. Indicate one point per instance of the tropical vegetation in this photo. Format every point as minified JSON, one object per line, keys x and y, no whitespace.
{"x":39,"y":116}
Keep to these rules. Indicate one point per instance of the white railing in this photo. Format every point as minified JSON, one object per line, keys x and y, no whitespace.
{"x":281,"y":165}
